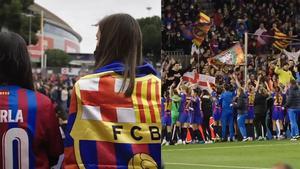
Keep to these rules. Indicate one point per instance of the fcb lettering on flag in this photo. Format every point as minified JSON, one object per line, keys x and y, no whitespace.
{"x":282,"y":41}
{"x":200,"y":79}
{"x":109,"y":130}
{"x":200,"y":29}
{"x":231,"y":56}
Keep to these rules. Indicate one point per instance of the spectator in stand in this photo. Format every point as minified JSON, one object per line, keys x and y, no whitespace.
{"x":258,"y":33}
{"x":64,"y":98}
{"x":284,"y":74}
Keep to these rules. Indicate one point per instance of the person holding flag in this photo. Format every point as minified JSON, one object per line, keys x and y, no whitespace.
{"x":114,"y":119}
{"x":28,"y":125}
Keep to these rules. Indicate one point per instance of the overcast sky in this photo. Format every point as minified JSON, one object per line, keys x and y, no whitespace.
{"x":81,"y":14}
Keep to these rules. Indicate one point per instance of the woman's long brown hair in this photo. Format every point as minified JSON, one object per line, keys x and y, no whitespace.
{"x":120,"y":40}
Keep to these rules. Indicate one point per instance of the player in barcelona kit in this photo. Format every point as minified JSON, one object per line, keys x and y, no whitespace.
{"x":114,"y":119}
{"x":29,"y":131}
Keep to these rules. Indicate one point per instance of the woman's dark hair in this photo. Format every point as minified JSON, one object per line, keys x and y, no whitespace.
{"x":120,"y":40}
{"x":197,"y":91}
{"x":227,"y":87}
{"x":15,"y":66}
{"x":205,"y":92}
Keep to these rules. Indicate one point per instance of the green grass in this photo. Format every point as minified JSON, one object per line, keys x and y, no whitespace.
{"x":237,"y":155}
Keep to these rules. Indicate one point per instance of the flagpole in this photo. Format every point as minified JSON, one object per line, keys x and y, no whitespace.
{"x":42,"y":40}
{"x":246,"y":53}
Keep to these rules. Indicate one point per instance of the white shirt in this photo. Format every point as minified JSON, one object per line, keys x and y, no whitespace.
{"x":64,"y":95}
{"x":259,"y":32}
{"x":292,"y":55}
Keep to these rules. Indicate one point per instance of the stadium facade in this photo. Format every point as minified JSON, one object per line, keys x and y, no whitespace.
{"x":57,"y":35}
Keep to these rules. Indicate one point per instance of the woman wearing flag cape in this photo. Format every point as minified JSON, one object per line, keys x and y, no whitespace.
{"x":114,"y":119}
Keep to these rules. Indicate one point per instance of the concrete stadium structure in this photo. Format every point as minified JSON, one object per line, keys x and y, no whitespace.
{"x":57,"y":35}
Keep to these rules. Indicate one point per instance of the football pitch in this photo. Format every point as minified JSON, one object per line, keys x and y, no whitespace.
{"x":235,"y":155}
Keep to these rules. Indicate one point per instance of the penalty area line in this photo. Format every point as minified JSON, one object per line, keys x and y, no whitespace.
{"x":215,"y":166}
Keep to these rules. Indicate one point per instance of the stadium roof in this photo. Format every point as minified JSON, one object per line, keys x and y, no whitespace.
{"x":51,"y":18}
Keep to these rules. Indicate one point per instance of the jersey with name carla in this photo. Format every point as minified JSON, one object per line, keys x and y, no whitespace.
{"x":27,"y":124}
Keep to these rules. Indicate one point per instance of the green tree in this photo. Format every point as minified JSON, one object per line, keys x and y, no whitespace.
{"x":151,"y":30}
{"x":57,"y":58}
{"x":12,"y":17}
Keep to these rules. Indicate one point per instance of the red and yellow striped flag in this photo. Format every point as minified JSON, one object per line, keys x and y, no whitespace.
{"x":282,"y":41}
{"x":200,"y":29}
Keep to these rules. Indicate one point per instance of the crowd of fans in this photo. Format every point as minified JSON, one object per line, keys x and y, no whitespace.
{"x":248,"y":107}
{"x":230,"y":20}
{"x":58,"y":88}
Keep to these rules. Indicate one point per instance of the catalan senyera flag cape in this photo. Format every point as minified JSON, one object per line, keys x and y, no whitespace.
{"x":200,"y":29}
{"x":231,"y":56}
{"x":282,"y":41}
{"x":107,"y":130}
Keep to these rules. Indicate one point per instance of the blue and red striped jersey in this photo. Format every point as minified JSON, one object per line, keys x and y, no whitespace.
{"x":29,"y":130}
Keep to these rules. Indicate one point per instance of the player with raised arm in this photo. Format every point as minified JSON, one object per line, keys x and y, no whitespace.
{"x":184,"y":118}
{"x":196,"y":115}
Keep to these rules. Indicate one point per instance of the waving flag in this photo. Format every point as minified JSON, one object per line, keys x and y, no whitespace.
{"x":282,"y":41}
{"x":200,"y":29}
{"x":199,"y":78}
{"x":231,"y":56}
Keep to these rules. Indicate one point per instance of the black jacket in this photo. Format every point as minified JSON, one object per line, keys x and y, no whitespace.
{"x":260,"y":104}
{"x":293,"y":98}
{"x":241,"y":104}
{"x":206,"y":106}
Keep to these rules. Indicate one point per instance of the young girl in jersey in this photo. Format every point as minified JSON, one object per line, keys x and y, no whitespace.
{"x":29,"y":128}
{"x":116,"y":108}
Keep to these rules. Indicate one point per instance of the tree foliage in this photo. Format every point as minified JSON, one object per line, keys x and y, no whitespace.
{"x":57,"y":58}
{"x":151,"y":30}
{"x":12,"y":17}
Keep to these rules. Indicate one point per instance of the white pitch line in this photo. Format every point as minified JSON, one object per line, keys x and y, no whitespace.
{"x":230,"y":147}
{"x":216,"y":166}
